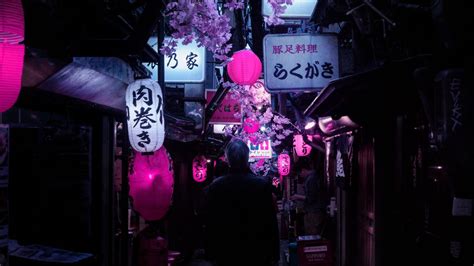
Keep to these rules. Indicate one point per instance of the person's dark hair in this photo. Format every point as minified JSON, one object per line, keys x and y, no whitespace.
{"x":237,"y":154}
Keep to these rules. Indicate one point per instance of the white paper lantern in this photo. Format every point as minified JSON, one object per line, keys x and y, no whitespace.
{"x":145,"y":115}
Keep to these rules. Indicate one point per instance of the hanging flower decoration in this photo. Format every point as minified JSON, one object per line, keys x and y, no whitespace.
{"x":278,"y":7}
{"x":201,"y":21}
{"x":255,"y":102}
{"x":204,"y":22}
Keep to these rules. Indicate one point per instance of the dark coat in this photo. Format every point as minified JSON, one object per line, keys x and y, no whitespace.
{"x":241,"y":225}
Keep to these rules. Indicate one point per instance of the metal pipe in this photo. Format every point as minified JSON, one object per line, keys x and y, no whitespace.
{"x":124,"y":198}
{"x":380,"y":13}
{"x":354,"y":9}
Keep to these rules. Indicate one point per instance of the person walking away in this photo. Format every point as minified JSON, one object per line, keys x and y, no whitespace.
{"x":241,"y":223}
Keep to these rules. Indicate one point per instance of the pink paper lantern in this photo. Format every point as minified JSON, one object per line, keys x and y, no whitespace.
{"x":302,"y":149}
{"x":251,"y":125}
{"x":200,"y":168}
{"x":12,"y":22}
{"x":11,"y":69}
{"x":12,"y":32}
{"x":245,"y":67}
{"x":284,"y":162}
{"x":151,"y":184}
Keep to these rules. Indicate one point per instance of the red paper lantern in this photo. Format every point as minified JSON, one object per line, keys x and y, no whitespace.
{"x":302,"y":149}
{"x":200,"y":168}
{"x":245,"y":67}
{"x":284,"y":164}
{"x":151,"y":184}
{"x":12,"y":28}
{"x":251,"y":125}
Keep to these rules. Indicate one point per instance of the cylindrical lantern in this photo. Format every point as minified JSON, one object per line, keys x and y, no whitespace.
{"x":200,"y":168}
{"x":284,"y":162}
{"x":12,"y":32}
{"x":11,"y":69}
{"x":245,"y":67}
{"x":151,"y":184}
{"x":145,"y":115}
{"x":302,"y":149}
{"x":251,"y":125}
{"x":12,"y":23}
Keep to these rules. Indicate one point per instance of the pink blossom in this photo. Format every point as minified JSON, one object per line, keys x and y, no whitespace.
{"x":278,"y":7}
{"x":234,"y":4}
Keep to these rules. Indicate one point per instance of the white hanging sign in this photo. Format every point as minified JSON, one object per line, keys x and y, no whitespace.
{"x":145,"y":115}
{"x":300,"y":62}
{"x":186,"y":65}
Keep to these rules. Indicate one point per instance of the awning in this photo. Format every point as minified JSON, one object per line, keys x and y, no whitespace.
{"x":366,"y":96}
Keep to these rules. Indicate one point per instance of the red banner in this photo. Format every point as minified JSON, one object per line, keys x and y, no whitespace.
{"x":224,"y":114}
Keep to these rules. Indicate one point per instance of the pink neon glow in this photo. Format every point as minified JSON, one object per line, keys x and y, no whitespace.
{"x":12,"y":32}
{"x":11,"y":69}
{"x":254,"y":139}
{"x":251,"y":125}
{"x":284,"y":162}
{"x":12,"y":23}
{"x":200,"y":168}
{"x":302,"y":149}
{"x":151,"y":184}
{"x":245,"y":67}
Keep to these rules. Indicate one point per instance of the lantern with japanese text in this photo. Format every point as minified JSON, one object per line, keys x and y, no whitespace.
{"x":200,"y":168}
{"x":302,"y":148}
{"x":11,"y":52}
{"x":251,"y":125}
{"x":284,"y":162}
{"x":245,"y":67}
{"x":146,"y":123}
{"x":151,"y":184}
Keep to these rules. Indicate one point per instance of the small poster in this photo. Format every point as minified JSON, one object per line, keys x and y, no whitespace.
{"x":262,"y":150}
{"x":4,"y":150}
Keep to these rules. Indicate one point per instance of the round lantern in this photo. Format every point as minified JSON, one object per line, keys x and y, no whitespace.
{"x":151,"y":184}
{"x":11,"y":53}
{"x":145,"y":115}
{"x":245,"y":67}
{"x":302,"y":149}
{"x":251,"y":125}
{"x":200,"y":168}
{"x":284,"y":164}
